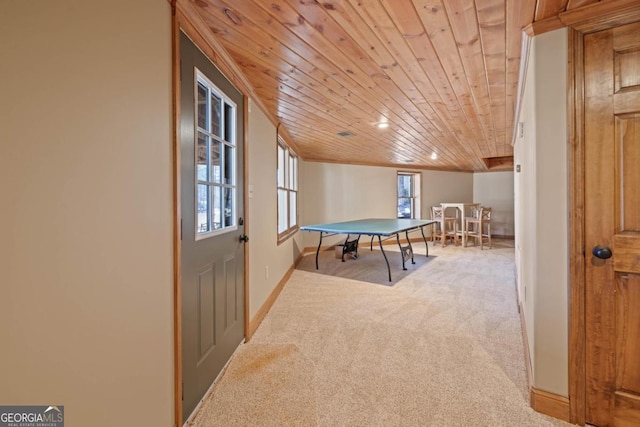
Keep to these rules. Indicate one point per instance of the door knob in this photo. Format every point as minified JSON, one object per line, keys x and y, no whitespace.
{"x":244,"y":238}
{"x":602,"y":252}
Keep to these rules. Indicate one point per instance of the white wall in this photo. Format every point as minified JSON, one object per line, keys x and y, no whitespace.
{"x":542,"y":214}
{"x":525,"y":190}
{"x":268,"y":261}
{"x":86,"y":311}
{"x":445,"y":187}
{"x":495,"y":190}
{"x":334,"y":192}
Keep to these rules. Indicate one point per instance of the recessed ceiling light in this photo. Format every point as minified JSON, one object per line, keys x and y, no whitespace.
{"x":383,"y":125}
{"x":434,"y":155}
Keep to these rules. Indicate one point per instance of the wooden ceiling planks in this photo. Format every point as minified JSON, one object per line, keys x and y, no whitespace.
{"x":379,"y":44}
{"x":399,"y":75}
{"x":549,"y":8}
{"x":442,"y":73}
{"x":518,"y":14}
{"x":423,"y":133}
{"x":574,"y":4}
{"x":436,"y":24}
{"x":439,"y":96}
{"x":462,"y":15}
{"x":491,"y":23}
{"x":393,"y":46}
{"x":466,"y":33}
{"x":389,"y":93}
{"x":408,"y":77}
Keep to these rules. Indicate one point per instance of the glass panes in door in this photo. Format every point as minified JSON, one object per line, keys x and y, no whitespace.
{"x":215,"y":151}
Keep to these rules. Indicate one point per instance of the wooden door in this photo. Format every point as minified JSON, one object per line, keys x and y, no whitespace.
{"x":212,"y":257}
{"x":612,"y":224}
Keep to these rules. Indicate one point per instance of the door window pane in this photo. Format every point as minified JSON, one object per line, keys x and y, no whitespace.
{"x":215,"y":160}
{"x":215,"y":115}
{"x":202,"y":162}
{"x":229,"y":162}
{"x":216,"y":163}
{"x":203,"y":222}
{"x":229,"y":123}
{"x":217,"y":207}
{"x":228,"y":204}
{"x":202,"y":106}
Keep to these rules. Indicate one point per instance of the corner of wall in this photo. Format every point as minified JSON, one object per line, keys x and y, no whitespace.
{"x":541,"y":190}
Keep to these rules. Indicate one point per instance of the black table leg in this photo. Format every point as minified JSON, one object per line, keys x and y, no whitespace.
{"x":385,"y":257}
{"x":401,"y":250}
{"x":344,"y":247}
{"x":406,"y":233}
{"x":318,"y":251}
{"x":425,"y":240}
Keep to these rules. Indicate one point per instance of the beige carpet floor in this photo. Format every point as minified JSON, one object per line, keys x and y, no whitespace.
{"x":442,"y":346}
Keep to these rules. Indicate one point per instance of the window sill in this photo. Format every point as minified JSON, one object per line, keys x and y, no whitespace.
{"x":286,"y":235}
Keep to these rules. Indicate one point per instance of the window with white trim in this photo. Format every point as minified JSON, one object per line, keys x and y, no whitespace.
{"x":216,"y":181}
{"x":408,"y":195}
{"x":287,"y":191}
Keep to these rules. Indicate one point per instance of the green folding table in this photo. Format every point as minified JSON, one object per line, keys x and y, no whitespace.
{"x":380,"y":227}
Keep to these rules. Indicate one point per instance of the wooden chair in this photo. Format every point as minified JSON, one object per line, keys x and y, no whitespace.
{"x":478,"y":226}
{"x":469,"y":226}
{"x":445,"y":228}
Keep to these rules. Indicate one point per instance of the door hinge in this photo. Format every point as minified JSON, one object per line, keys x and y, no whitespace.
{"x":180,"y":228}
{"x":182,"y":390}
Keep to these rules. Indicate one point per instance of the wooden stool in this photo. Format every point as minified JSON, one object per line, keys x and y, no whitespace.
{"x":479,"y":226}
{"x":446,"y":227}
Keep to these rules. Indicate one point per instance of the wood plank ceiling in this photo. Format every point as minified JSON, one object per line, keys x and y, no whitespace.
{"x":442,"y":74}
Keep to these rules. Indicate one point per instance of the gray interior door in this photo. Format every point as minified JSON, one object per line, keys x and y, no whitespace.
{"x":212,"y":260}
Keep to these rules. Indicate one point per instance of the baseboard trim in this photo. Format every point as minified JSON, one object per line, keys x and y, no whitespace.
{"x":503,"y":236}
{"x":311,"y":249}
{"x":271,"y":299}
{"x":525,"y":342}
{"x":550,"y":404}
